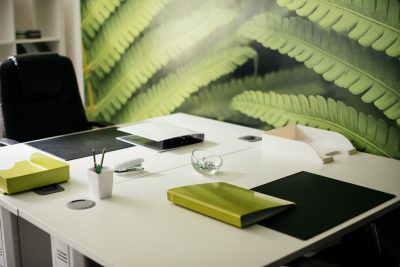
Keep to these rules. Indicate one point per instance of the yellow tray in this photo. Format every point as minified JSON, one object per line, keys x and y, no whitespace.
{"x":39,"y":170}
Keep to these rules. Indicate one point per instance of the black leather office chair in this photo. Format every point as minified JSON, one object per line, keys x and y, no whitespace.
{"x":39,"y":97}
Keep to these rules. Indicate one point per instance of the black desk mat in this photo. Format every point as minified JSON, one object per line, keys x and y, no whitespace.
{"x":80,"y":145}
{"x":321,"y":203}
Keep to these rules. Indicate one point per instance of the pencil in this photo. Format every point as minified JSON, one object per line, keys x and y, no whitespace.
{"x":102,"y":159}
{"x":94,"y":160}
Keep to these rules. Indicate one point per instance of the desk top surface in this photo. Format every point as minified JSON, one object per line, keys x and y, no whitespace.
{"x":138,"y":226}
{"x":220,"y":137}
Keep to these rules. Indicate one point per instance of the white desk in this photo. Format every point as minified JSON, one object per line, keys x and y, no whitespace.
{"x":219,"y":136}
{"x":139,"y":227}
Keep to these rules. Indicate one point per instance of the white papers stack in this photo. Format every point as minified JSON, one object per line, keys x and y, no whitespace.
{"x":159,"y":136}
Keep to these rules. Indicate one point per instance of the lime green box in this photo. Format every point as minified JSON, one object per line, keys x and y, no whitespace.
{"x":39,"y":170}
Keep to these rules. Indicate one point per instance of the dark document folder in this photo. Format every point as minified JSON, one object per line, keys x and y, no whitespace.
{"x":80,"y":145}
{"x":163,"y":145}
{"x":321,"y":203}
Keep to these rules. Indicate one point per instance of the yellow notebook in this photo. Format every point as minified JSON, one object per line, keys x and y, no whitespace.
{"x":228,"y":203}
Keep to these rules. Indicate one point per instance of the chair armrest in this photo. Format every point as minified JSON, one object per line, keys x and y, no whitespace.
{"x":7,"y":142}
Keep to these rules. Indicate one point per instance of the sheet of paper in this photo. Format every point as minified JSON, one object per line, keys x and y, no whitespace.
{"x":156,"y":130}
{"x":9,"y":155}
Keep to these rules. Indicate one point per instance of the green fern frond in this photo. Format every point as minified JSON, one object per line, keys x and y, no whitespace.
{"x":119,"y":32}
{"x":171,"y":92}
{"x":214,"y":101}
{"x":358,"y":69}
{"x":374,"y":23}
{"x":153,"y":52}
{"x":364,"y":131}
{"x":93,"y":15}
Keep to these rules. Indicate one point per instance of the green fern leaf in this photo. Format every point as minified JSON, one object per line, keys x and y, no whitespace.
{"x":93,"y":15}
{"x":170,"y":92}
{"x":358,"y":69}
{"x":366,"y":133}
{"x":214,"y":101}
{"x":374,"y":23}
{"x":119,"y":32}
{"x":152,"y":52}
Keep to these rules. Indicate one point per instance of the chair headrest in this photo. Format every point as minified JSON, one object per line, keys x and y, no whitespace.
{"x":40,"y":74}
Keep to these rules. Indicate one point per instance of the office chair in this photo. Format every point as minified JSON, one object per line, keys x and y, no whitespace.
{"x":39,"y":97}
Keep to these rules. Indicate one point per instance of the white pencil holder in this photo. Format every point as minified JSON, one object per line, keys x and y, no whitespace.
{"x":100,"y":184}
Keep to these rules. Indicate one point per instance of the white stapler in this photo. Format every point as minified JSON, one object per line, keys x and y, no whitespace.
{"x":131,"y":165}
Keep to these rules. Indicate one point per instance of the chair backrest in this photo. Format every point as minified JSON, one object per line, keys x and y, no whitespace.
{"x":39,"y":97}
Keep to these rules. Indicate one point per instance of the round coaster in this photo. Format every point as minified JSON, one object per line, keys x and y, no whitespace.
{"x":80,"y":204}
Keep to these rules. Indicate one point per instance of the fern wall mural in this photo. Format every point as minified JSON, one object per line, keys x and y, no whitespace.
{"x":263,"y":63}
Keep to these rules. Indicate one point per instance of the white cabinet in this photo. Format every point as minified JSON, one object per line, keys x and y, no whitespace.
{"x":2,"y":262}
{"x":10,"y":249}
{"x":18,"y":17}
{"x":7,"y":45}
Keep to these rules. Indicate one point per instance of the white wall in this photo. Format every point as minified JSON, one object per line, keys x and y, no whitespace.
{"x":73,"y":46}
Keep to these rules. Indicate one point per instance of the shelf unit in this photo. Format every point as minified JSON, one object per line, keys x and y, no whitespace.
{"x":22,"y":15}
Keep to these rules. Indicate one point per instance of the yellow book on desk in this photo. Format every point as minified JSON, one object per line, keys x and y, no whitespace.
{"x":228,"y":203}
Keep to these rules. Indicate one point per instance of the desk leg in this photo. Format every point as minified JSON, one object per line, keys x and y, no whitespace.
{"x":59,"y":253}
{"x":65,"y":256}
{"x":9,"y":240}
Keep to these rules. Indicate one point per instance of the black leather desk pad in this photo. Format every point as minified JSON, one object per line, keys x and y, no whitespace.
{"x":80,"y":145}
{"x":321,"y":203}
